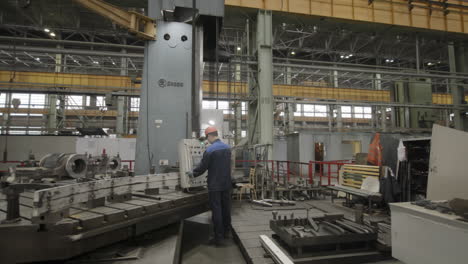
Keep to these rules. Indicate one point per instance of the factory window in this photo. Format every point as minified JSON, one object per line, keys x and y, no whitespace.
{"x":2,"y":100}
{"x":356,"y":112}
{"x":38,"y":101}
{"x":313,"y":110}
{"x":298,"y":110}
{"x":320,"y":110}
{"x":243,"y":133}
{"x":308,"y":110}
{"x":24,"y":99}
{"x":222,"y":105}
{"x":362,"y":112}
{"x":17,"y":130}
{"x":245,"y":109}
{"x":101,"y":102}
{"x":135,"y":104}
{"x":346,"y":111}
{"x":74,"y":102}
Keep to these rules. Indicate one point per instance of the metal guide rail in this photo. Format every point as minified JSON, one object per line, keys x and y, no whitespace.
{"x":60,"y":222}
{"x":56,"y":199}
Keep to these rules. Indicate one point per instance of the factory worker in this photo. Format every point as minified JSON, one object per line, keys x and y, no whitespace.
{"x":217,"y":160}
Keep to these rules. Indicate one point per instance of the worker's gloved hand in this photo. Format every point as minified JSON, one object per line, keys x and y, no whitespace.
{"x":189,"y":174}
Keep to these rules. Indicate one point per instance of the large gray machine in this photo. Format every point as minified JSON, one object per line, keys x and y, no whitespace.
{"x":170,"y":92}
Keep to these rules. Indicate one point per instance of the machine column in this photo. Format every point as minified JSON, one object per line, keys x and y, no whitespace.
{"x":339,"y":118}
{"x":383,"y":118}
{"x":52,"y":116}
{"x":457,"y":64}
{"x":122,"y":101}
{"x":289,"y":109}
{"x":6,"y":116}
{"x":238,"y":107}
{"x":265,"y":78}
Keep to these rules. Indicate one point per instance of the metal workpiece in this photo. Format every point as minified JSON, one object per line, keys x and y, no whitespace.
{"x":81,"y":167}
{"x":280,"y":202}
{"x":65,"y":165}
{"x":311,"y":234}
{"x":274,"y":251}
{"x":262,"y":203}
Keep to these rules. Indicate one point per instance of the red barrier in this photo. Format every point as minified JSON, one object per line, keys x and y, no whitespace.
{"x":289,"y":172}
{"x":21,"y":163}
{"x":130,"y":164}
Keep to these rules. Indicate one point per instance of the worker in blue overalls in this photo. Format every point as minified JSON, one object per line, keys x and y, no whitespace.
{"x":217,"y":160}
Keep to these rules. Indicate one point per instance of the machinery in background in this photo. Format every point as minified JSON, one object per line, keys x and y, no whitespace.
{"x":61,"y":166}
{"x":414,"y":171}
{"x":171,"y":98}
{"x":81,"y":203}
{"x":190,"y":155}
{"x":417,"y":91}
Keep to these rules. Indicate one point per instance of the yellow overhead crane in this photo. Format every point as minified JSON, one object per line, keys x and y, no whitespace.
{"x":143,"y":26}
{"x":443,"y":15}
{"x":103,"y":84}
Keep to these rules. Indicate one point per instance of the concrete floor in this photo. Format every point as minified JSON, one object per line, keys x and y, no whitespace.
{"x":159,"y":247}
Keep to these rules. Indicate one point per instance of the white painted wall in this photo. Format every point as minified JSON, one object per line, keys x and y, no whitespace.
{"x":335,"y":149}
{"x":125,"y":147}
{"x":18,"y":147}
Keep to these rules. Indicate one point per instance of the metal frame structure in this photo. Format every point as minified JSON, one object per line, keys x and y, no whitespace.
{"x":306,"y":52}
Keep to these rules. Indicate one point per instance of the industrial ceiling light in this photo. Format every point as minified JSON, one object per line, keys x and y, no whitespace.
{"x":52,"y":34}
{"x":238,"y":48}
{"x":429,"y":64}
{"x":46,"y":30}
{"x":211,"y":122}
{"x":38,"y":59}
{"x":293,"y":53}
{"x":350,"y":55}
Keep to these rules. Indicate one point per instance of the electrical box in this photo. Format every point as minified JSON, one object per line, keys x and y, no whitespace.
{"x":190,"y":155}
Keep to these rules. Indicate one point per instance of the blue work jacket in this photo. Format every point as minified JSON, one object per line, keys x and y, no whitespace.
{"x":217,"y":160}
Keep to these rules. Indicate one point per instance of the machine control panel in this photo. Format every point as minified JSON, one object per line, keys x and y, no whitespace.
{"x":190,"y":155}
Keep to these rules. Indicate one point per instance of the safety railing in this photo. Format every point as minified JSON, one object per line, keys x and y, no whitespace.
{"x":18,"y":163}
{"x":327,"y":172}
{"x":130,"y":163}
{"x":312,"y":173}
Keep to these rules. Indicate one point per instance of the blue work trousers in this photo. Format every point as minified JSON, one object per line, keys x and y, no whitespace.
{"x":220,"y":205}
